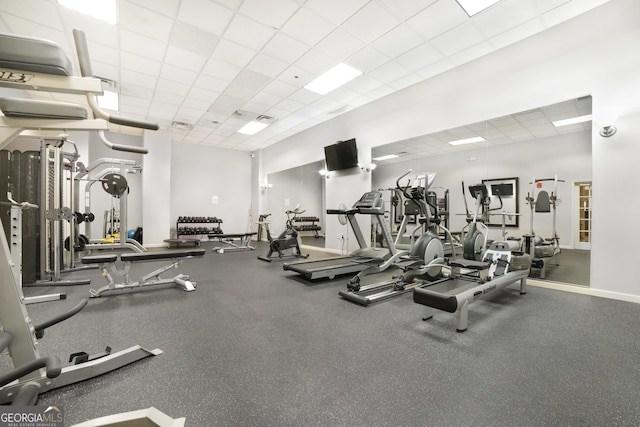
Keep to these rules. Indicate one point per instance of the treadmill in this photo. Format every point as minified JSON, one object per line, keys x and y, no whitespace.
{"x":371,"y":203}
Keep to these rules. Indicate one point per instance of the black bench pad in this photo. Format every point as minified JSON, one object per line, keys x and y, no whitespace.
{"x":231,"y":236}
{"x":471,"y":264}
{"x":146,"y":256}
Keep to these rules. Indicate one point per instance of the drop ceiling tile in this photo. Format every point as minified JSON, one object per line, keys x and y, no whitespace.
{"x":389,"y":72}
{"x":364,"y":84}
{"x":255,"y":107}
{"x":267,"y":65}
{"x":184,"y":59}
{"x":405,"y":81}
{"x":207,"y":15}
{"x":129,"y":87}
{"x":233,"y":53}
{"x":492,"y":21}
{"x":380,"y":92}
{"x":405,"y":9}
{"x":162,"y":110}
{"x":141,"y":45}
{"x":520,"y":32}
{"x":178,"y":75}
{"x":140,"y":64}
{"x":343,"y":94}
{"x":289,"y":105}
{"x":188,"y":115}
{"x":420,"y":57}
{"x":304,"y":96}
{"x":296,"y":76}
{"x":211,"y":84}
{"x":569,"y":10}
{"x":285,"y":48}
{"x":42,"y":12}
{"x":247,"y":32}
{"x":458,"y":39}
{"x":547,"y":5}
{"x":316,"y":62}
{"x":106,"y":70}
{"x":299,"y":27}
{"x":436,"y":68}
{"x":472,"y":53}
{"x":370,"y":22}
{"x":367,"y":59}
{"x":336,"y":11}
{"x":23,"y":27}
{"x":280,"y":88}
{"x":437,"y":19}
{"x":102,"y":53}
{"x":220,"y":70}
{"x":145,"y":21}
{"x":193,"y":39}
{"x":339,"y":44}
{"x":166,"y":7}
{"x":265,"y":98}
{"x":398,"y":41}
{"x":273,"y":13}
{"x":173,"y":87}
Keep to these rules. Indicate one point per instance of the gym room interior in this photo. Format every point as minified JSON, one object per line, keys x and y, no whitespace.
{"x":244,"y":342}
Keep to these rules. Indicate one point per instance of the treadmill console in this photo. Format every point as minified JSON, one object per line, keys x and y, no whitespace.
{"x":370,"y":203}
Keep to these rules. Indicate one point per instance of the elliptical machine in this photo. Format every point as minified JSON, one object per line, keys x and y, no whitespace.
{"x":289,"y":239}
{"x":474,"y":242}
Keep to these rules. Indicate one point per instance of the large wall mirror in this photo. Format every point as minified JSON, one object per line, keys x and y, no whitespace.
{"x":520,"y":154}
{"x":301,"y":186}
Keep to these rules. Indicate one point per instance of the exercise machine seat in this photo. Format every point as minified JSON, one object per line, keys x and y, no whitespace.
{"x":31,"y":54}
{"x":542,"y":202}
{"x":33,"y":108}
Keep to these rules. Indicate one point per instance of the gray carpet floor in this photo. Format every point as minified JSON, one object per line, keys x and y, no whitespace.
{"x":258,"y":346}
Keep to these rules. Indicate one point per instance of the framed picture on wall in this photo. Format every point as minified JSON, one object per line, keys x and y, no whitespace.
{"x":508,"y":190}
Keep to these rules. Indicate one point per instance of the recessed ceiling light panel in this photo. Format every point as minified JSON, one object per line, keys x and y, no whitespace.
{"x":467,"y":140}
{"x":472,"y":7}
{"x":252,"y":128}
{"x":332,"y":79}
{"x":572,"y":121}
{"x":104,"y":10}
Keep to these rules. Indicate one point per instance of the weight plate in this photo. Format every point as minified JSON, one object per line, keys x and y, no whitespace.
{"x":114,"y":184}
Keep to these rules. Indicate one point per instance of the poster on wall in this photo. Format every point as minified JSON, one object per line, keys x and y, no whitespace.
{"x":507,"y":188}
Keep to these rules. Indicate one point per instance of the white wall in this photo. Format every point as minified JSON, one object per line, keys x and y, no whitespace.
{"x":157,"y":176}
{"x":201,"y":173}
{"x":591,"y":54}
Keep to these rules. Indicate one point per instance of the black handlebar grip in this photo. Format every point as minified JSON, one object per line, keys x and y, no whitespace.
{"x":141,"y":124}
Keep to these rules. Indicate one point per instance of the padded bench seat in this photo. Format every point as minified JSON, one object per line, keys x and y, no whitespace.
{"x":231,"y":236}
{"x":146,"y":256}
{"x":34,"y":108}
{"x":31,"y":54}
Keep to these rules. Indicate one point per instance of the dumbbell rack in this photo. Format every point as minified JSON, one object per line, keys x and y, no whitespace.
{"x":308,"y":227}
{"x":198,"y":225}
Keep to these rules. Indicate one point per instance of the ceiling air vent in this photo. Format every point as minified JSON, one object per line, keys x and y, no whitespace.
{"x":181,"y":125}
{"x":265,"y":119}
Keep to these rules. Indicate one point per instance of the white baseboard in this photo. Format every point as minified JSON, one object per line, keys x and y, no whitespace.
{"x":584,"y":290}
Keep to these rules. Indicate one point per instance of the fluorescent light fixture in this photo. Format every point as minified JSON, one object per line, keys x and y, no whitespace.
{"x":104,"y":10}
{"x":467,"y":140}
{"x":572,"y":121}
{"x":332,"y":79}
{"x":109,"y":100}
{"x":476,"y":6}
{"x":387,"y":157}
{"x":252,"y":128}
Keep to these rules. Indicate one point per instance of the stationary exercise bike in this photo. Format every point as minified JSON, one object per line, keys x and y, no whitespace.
{"x":287,"y":240}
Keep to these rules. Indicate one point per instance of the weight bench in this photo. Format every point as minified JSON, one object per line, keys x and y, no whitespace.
{"x":228,"y":239}
{"x":182,"y":243}
{"x":120,"y":265}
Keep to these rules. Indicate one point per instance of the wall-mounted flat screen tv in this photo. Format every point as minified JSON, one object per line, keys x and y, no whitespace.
{"x":342,"y":155}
